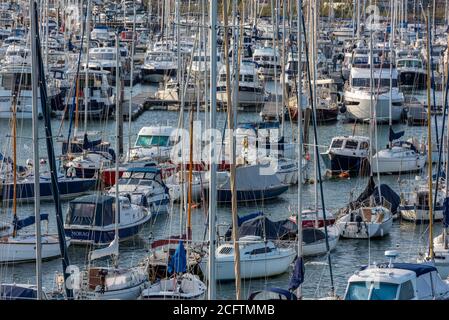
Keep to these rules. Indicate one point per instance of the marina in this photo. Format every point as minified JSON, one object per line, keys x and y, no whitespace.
{"x":296,"y":149}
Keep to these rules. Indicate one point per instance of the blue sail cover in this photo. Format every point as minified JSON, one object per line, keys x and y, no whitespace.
{"x":17,"y":292}
{"x":178,"y":261}
{"x":297,"y":275}
{"x":446,"y":213}
{"x":28,"y":221}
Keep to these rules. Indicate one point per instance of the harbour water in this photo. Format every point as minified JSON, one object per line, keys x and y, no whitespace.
{"x":409,"y":238}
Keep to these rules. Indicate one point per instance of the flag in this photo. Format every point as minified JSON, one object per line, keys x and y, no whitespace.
{"x":297,"y":275}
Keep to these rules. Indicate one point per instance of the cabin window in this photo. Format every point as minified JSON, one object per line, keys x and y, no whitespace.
{"x":260,"y":251}
{"x":366,"y":83}
{"x":357,"y":291}
{"x":249,"y":78}
{"x":384,"y":291}
{"x":407,"y":292}
{"x":81,"y":213}
{"x":337,"y":143}
{"x":351,"y":144}
{"x":364,"y":145}
{"x":12,"y":81}
{"x":223,"y":77}
{"x":226,"y":250}
{"x":147,"y":141}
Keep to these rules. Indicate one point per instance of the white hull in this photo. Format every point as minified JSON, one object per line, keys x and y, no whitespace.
{"x":23,"y":248}
{"x":187,"y":287}
{"x":394,"y":165}
{"x":252,"y":267}
{"x":361,"y":111}
{"x":244,"y":98}
{"x":421,"y":215}
{"x":361,"y":230}
{"x":319,"y":248}
{"x":131,"y":293}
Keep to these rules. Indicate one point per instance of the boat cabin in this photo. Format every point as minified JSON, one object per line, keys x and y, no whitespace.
{"x":93,"y":210}
{"x":398,"y":281}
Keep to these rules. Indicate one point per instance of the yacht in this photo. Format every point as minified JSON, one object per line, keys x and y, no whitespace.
{"x":154,"y":143}
{"x":357,"y":95}
{"x":397,"y":281}
{"x":144,"y":187}
{"x":347,"y":154}
{"x":267,"y":60}
{"x":158,"y":66}
{"x":91,"y":219}
{"x":251,"y":92}
{"x":411,"y":73}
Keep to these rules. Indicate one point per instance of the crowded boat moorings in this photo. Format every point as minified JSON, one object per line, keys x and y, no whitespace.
{"x":224,"y":150}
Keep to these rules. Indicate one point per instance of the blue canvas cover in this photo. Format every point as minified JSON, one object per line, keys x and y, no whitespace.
{"x":418,"y":268}
{"x":297,"y":275}
{"x":17,"y":292}
{"x":257,"y":224}
{"x":178,"y":261}
{"x":28,"y":221}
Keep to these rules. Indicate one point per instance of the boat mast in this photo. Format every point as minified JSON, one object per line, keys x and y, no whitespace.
{"x":86,"y":85}
{"x":131,"y":83}
{"x":34,"y":84}
{"x":232,"y":157}
{"x":390,"y":120}
{"x":299,"y":139}
{"x":117,"y":144}
{"x":429,"y":139}
{"x":212,"y":156}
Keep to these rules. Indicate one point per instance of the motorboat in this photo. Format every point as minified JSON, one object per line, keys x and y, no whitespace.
{"x":250,"y":93}
{"x":154,"y":143}
{"x":91,"y":219}
{"x":347,"y":154}
{"x":397,"y":281}
{"x":145,"y":187}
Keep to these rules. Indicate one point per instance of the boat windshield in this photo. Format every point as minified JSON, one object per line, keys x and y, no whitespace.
{"x":366,"y":83}
{"x":152,"y":141}
{"x":357,"y":291}
{"x":371,"y":291}
{"x":409,"y":63}
{"x":384,"y":291}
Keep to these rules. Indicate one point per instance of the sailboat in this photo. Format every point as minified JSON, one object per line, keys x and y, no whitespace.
{"x":181,"y":285}
{"x":106,"y":283}
{"x":15,"y":248}
{"x":370,"y":218}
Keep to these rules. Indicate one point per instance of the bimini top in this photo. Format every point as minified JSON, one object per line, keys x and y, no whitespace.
{"x":418,"y":268}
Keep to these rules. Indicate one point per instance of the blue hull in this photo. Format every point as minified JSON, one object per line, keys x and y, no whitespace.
{"x":101,"y":237}
{"x":225,"y":196}
{"x":67,"y":188}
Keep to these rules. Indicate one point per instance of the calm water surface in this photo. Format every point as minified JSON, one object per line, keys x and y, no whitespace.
{"x":349,"y":254}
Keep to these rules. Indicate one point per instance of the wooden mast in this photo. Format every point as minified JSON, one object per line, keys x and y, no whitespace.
{"x":232,"y":150}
